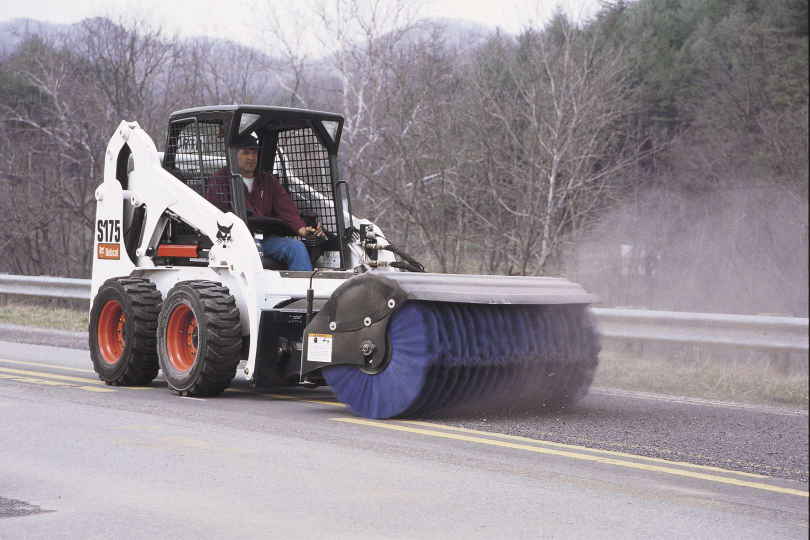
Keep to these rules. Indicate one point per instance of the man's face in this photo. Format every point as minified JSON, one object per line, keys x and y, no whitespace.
{"x":246,"y":160}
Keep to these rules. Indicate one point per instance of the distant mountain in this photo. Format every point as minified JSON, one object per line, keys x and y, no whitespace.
{"x":460,"y":32}
{"x":14,"y":31}
{"x":453,"y":32}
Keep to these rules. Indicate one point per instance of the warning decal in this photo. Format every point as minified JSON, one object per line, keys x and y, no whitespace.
{"x":319,"y":348}
{"x":109,"y":251}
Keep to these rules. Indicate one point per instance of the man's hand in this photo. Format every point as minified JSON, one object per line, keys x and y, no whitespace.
{"x":307,"y":231}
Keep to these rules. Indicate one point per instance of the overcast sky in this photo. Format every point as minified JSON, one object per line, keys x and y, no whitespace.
{"x":221,"y":18}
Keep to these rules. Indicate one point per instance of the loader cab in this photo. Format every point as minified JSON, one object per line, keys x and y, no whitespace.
{"x":298,"y":146}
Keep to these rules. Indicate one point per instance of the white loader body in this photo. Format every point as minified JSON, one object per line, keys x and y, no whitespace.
{"x":235,"y":263}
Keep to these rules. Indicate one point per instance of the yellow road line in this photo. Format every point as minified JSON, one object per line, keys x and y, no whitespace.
{"x":46,"y":382}
{"x":83,"y":381}
{"x":33,"y":380}
{"x":37,"y":364}
{"x":534,"y":441}
{"x":574,"y":455}
{"x":289,"y":398}
{"x":239,"y":390}
{"x":338,"y":404}
{"x":318,"y":401}
{"x":582,"y":448}
{"x":539,"y":441}
{"x":96,"y":389}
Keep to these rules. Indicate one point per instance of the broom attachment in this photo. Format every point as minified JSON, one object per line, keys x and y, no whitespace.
{"x":450,"y":355}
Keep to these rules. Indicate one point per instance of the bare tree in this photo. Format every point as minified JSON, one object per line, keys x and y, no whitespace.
{"x":357,"y":40}
{"x":221,"y":71}
{"x":130,"y":59}
{"x":555,"y":105}
{"x":290,"y":63}
{"x":49,"y":150}
{"x":422,"y":188}
{"x":84,"y":84}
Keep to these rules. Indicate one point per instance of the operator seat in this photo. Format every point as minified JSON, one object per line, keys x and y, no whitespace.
{"x":269,"y":263}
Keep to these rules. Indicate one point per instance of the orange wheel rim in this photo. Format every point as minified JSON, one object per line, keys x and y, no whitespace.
{"x":182,"y":338}
{"x":111,"y":325}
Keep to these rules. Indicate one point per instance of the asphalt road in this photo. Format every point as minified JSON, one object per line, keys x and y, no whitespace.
{"x":82,"y":460}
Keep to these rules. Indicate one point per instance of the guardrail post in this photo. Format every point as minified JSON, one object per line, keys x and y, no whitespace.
{"x":779,"y":362}
{"x":634,"y":349}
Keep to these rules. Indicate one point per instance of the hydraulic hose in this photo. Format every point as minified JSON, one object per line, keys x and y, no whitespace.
{"x":410,"y":264}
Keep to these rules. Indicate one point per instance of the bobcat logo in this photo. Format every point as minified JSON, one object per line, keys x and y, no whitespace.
{"x":224,"y":234}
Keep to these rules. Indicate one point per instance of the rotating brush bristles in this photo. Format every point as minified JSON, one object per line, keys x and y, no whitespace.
{"x":446,"y":355}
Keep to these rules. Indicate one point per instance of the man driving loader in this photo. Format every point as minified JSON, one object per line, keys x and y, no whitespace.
{"x":264,"y":196}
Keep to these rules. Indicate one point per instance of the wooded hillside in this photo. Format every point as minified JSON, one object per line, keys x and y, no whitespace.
{"x":657,"y":154}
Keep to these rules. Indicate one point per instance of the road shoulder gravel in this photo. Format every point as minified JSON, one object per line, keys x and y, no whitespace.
{"x":68,"y":339}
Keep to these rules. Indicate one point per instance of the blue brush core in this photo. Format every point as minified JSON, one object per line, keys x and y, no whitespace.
{"x":445,"y":355}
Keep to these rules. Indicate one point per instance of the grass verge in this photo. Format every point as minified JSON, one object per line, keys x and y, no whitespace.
{"x":44,"y":317}
{"x":742,"y":381}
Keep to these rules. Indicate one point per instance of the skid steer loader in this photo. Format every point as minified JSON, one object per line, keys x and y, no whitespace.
{"x":180,"y":284}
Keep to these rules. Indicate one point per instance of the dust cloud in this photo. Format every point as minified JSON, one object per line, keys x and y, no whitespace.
{"x":742,"y":251}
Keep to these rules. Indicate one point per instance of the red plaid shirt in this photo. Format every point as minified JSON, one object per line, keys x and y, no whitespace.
{"x":268,"y":197}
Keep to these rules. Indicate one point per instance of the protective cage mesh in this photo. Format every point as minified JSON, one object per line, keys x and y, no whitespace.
{"x":194,"y":163}
{"x":302,"y":165}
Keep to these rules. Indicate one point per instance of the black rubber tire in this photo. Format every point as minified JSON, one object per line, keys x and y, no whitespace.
{"x":140,"y":304}
{"x":218,"y":343}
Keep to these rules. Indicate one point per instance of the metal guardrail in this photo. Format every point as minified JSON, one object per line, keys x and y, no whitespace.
{"x":758,"y":333}
{"x":45,"y":287}
{"x":751,"y":332}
